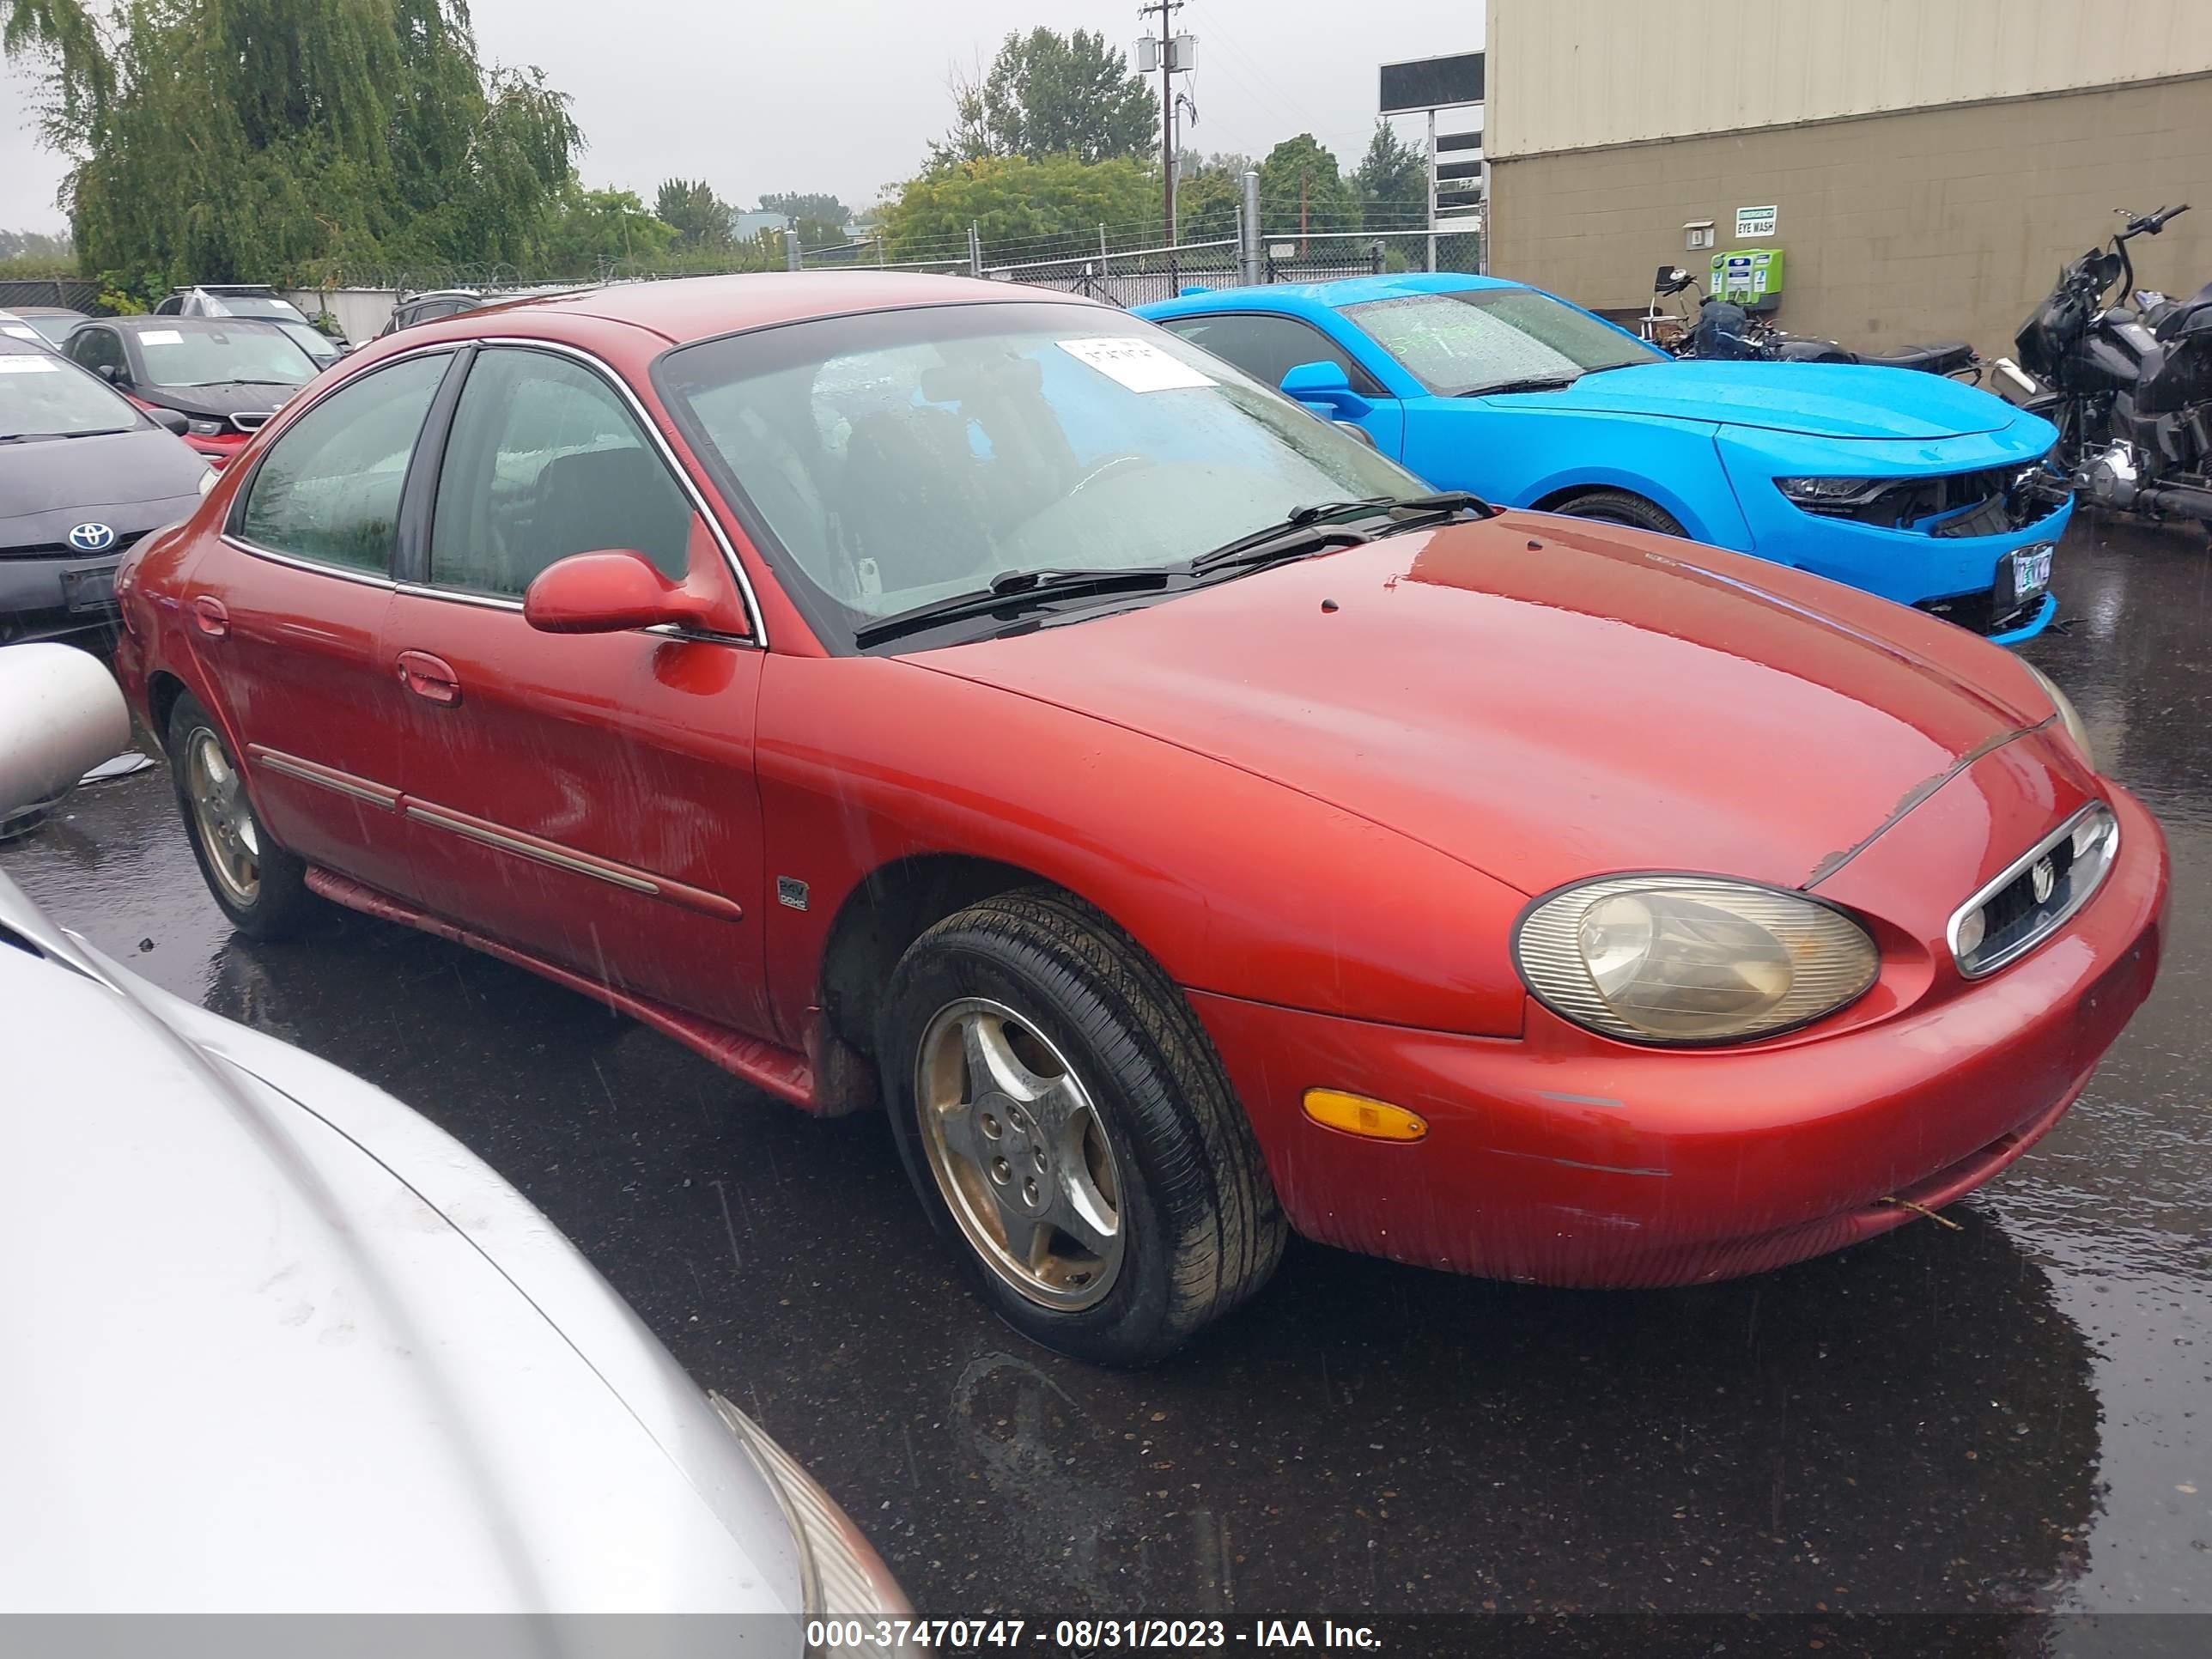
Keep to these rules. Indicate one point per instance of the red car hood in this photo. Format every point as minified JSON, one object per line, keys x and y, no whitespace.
{"x":1594,"y":703}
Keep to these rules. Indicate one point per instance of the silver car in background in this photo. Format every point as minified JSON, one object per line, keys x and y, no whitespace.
{"x":276,"y":1343}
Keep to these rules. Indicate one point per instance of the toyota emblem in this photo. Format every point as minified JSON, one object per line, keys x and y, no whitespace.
{"x":91,"y":537}
{"x":2043,"y":879}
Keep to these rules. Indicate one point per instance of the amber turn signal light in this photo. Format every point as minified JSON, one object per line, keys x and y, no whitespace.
{"x":1356,"y":1114}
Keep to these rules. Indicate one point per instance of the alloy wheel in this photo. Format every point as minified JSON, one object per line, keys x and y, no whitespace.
{"x":1020,"y":1153}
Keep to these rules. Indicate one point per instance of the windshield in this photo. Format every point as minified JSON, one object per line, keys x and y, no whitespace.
{"x":208,"y":355}
{"x":43,"y":397}
{"x":52,"y":326}
{"x":313,"y":341}
{"x":901,"y":456}
{"x":1456,"y":343}
{"x":257,"y":305}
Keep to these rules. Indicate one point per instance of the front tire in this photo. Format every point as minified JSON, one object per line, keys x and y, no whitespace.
{"x":1619,"y":507}
{"x":1064,"y":1118}
{"x":262,"y":888}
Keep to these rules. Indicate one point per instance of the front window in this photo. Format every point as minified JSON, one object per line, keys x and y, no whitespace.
{"x":210,"y":355}
{"x":1487,"y":338}
{"x":899,"y":457}
{"x":42,"y":396}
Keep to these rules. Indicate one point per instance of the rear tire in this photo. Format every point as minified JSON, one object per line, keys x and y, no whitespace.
{"x":1067,"y":1125}
{"x":1619,"y":507}
{"x":262,"y":888}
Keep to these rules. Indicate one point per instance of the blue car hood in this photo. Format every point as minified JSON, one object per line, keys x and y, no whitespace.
{"x":1824,"y":400}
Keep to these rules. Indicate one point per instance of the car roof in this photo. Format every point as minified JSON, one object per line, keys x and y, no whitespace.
{"x":171,"y":320}
{"x":1325,"y":296}
{"x":47,"y":311}
{"x":697,"y":308}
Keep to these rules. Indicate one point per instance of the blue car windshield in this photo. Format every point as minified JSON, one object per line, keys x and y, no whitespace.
{"x":1488,"y":339}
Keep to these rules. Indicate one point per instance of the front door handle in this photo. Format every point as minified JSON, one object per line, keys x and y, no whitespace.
{"x":429,"y":678}
{"x":211,"y":615}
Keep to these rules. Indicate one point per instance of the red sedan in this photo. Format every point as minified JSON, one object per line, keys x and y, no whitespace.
{"x":982,"y":702}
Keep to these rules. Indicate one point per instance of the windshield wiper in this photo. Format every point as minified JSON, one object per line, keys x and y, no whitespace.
{"x":1323,"y":525}
{"x":1009,"y":591}
{"x":1532,"y":382}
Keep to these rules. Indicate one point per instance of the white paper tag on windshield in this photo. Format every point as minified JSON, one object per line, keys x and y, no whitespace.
{"x":1137,"y":364}
{"x":15,"y":364}
{"x":161,"y":336}
{"x":18,"y":332}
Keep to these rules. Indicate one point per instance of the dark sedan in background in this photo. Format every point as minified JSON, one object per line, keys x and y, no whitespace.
{"x":226,"y":375}
{"x":82,"y":476}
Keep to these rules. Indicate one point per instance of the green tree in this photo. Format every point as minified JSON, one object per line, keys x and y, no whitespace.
{"x":1300,"y":188}
{"x":1048,"y":94}
{"x":1392,"y":183}
{"x":1208,"y":190}
{"x":282,"y":140}
{"x":701,"y":219}
{"x":587,"y":232}
{"x":1014,"y":201}
{"x":803,"y":206}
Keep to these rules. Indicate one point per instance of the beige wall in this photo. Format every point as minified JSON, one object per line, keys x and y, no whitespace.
{"x":1578,"y":74}
{"x":1943,"y":223}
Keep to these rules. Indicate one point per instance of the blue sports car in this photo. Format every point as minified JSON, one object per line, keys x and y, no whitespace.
{"x":1917,"y":487}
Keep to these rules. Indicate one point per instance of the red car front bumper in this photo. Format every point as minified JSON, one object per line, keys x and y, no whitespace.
{"x":1561,"y":1158}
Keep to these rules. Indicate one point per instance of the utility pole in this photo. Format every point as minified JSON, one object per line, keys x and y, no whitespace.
{"x":1169,"y":53}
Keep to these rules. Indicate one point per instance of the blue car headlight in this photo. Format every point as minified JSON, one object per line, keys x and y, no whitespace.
{"x":1832,"y":495}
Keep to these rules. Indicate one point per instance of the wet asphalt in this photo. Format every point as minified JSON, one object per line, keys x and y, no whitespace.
{"x":2003,"y":1421}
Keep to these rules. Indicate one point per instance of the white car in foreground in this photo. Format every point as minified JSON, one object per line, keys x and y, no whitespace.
{"x":277,"y":1343}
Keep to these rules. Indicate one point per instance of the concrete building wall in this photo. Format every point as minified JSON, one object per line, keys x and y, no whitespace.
{"x":1935,"y":223}
{"x":1583,"y":74}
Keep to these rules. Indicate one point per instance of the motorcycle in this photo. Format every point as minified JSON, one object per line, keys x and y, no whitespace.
{"x":2128,"y":384}
{"x":1725,"y":329}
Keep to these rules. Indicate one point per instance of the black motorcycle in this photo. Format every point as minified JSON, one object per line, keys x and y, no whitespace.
{"x":1724,"y":330}
{"x":2128,"y":384}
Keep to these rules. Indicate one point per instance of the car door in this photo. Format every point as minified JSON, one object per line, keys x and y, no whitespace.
{"x":286,"y":614}
{"x":1268,"y":345}
{"x":588,"y":798}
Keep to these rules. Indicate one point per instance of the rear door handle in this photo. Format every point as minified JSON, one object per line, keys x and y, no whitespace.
{"x":213,"y":619}
{"x":429,"y":678}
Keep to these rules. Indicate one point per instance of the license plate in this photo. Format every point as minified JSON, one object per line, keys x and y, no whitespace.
{"x":89,"y":589}
{"x":2030,"y":569}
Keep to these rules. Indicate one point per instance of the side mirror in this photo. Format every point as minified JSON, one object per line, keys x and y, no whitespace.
{"x":111,"y":373}
{"x":612,"y":592}
{"x":170,"y":419}
{"x":1324,"y":388}
{"x":61,"y":714}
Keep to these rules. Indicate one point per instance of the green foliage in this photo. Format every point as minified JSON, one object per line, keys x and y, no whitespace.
{"x":1048,"y":94}
{"x":1208,"y":190}
{"x":283,"y":140}
{"x":116,"y":296}
{"x":1299,"y":185}
{"x":1014,"y":200}
{"x":588,"y":232}
{"x":701,"y":218}
{"x":804,"y":206}
{"x":1392,"y":182}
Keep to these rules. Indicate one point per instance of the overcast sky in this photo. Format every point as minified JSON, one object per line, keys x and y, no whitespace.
{"x":843,"y":94}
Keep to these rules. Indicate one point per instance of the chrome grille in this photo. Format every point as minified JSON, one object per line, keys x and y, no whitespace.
{"x":2035,"y":894}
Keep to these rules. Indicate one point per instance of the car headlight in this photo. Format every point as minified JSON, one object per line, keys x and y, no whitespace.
{"x":2068,"y":716}
{"x":207,"y":476}
{"x":840,"y":1575}
{"x":1665,"y":959}
{"x":1832,"y":495}
{"x":203,"y":429}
